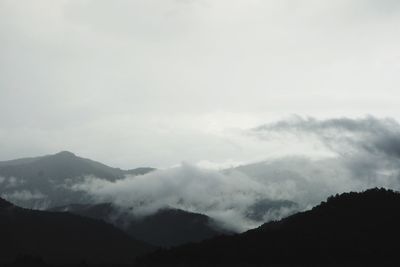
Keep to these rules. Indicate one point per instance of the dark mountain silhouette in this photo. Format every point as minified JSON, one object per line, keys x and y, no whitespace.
{"x":167,"y":227}
{"x":103,"y":211}
{"x":270,"y":208}
{"x":62,"y":238}
{"x":172,"y":227}
{"x":351,"y":229}
{"x":43,"y":181}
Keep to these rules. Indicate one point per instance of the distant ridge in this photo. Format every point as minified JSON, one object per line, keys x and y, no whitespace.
{"x":63,"y":165}
{"x":351,"y":229}
{"x":44,"y":181}
{"x":167,"y":227}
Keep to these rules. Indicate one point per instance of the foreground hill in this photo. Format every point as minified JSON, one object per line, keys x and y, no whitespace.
{"x":41,"y":182}
{"x":167,"y":227}
{"x":63,"y":238}
{"x":349,"y":229}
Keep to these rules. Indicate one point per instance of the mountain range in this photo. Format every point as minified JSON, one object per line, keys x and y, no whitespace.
{"x":348,"y":229}
{"x":45,"y":182}
{"x":351,"y":229}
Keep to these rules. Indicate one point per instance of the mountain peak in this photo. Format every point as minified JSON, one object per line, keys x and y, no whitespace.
{"x":65,"y":154}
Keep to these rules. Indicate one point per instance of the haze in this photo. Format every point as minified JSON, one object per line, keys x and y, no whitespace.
{"x":158,"y":82}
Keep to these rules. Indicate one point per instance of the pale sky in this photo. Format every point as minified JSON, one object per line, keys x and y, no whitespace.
{"x":156,"y":82}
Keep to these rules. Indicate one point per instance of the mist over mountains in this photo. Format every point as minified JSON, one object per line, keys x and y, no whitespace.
{"x":65,"y":179}
{"x":196,"y":209}
{"x":47,"y":183}
{"x":351,"y":229}
{"x":146,"y":133}
{"x":191,"y":210}
{"x":357,"y":154}
{"x":43,"y":182}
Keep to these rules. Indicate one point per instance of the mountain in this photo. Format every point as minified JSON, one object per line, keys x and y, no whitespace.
{"x":172,"y":227}
{"x":268,"y":209}
{"x":43,"y":181}
{"x":63,"y":238}
{"x":167,"y":227}
{"x":61,"y":166}
{"x":351,"y":229}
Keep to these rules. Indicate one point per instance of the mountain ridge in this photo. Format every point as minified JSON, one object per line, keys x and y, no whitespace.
{"x":358,"y":228}
{"x":61,"y":238}
{"x":67,"y":157}
{"x":46,"y":180}
{"x":167,"y":227}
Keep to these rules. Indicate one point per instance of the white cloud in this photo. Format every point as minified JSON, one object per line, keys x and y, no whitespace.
{"x":186,"y":187}
{"x":364,"y":154}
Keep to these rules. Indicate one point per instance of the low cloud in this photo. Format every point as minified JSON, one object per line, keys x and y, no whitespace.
{"x":364,"y":153}
{"x":10,"y":182}
{"x":23,"y":195}
{"x":380,"y":137}
{"x":223,"y":197}
{"x":367,"y":148}
{"x":14,"y":182}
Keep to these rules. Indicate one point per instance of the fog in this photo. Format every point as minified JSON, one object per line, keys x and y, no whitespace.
{"x":359,"y":154}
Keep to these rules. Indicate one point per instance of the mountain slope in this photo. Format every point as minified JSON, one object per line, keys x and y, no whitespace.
{"x":63,"y":238}
{"x":43,"y":181}
{"x":61,"y":166}
{"x":167,"y":227}
{"x":352,"y":228}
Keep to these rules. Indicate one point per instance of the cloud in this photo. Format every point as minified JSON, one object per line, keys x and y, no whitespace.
{"x":144,"y":83}
{"x":343,"y":135}
{"x":363,"y":155}
{"x":154,"y":69}
{"x":23,"y":195}
{"x":11,"y":182}
{"x":14,"y":182}
{"x":186,"y":187}
{"x":367,"y":148}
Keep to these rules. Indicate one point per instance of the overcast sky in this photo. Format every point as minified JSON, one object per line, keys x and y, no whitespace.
{"x":157,"y":82}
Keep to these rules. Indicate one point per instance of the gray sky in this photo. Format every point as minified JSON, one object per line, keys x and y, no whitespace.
{"x":157,"y":82}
